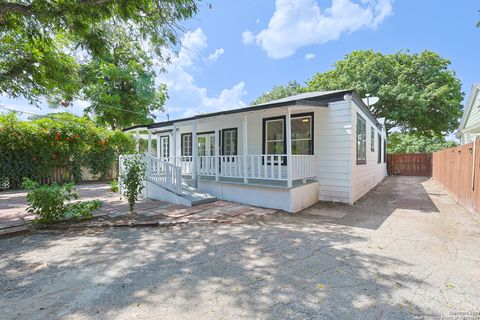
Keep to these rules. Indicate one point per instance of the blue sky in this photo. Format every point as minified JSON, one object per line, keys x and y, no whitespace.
{"x":235,"y":50}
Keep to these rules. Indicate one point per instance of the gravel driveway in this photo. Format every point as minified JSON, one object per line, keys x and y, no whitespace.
{"x":406,"y":250}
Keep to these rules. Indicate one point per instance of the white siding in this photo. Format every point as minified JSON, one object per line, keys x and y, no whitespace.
{"x":366,"y":176}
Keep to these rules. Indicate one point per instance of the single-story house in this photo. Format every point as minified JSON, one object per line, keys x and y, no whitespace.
{"x":470,"y":123}
{"x":285,"y":154}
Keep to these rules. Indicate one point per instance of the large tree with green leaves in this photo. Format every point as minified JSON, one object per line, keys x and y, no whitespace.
{"x":413,"y":143}
{"x":45,"y":44}
{"x":278,"y":92}
{"x":120,"y":84}
{"x":418,"y":92}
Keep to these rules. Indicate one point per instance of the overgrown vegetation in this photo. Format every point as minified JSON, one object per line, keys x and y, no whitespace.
{"x":132,"y":175}
{"x":114,"y":185}
{"x":51,"y":203}
{"x":36,"y":148}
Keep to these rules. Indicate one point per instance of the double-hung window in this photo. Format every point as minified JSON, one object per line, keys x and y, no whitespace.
{"x":229,"y":142}
{"x":302,"y":134}
{"x":379,"y":157}
{"x":186,"y":145}
{"x":274,"y":135}
{"x":164,"y":147}
{"x":372,"y":139}
{"x":361,"y":140}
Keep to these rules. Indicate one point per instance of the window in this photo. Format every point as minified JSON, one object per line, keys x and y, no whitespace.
{"x":372,"y":139}
{"x":385,"y":151}
{"x":302,"y":134}
{"x":229,"y":142}
{"x":379,"y":158}
{"x":164,"y":147}
{"x":274,"y":135}
{"x":361,"y":140}
{"x":186,"y":144}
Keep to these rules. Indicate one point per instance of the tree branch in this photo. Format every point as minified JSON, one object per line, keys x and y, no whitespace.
{"x":8,"y":7}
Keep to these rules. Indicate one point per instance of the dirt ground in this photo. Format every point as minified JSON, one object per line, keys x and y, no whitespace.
{"x":405,"y":251}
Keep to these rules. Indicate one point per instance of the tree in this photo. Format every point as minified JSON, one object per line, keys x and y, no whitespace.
{"x":278,"y":92}
{"x":418,"y":93}
{"x":120,"y":85}
{"x":413,"y":143}
{"x":44,"y":42}
{"x":132,"y":174}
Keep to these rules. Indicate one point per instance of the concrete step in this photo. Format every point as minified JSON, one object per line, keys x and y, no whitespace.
{"x":194,"y":196}
{"x":190,"y":195}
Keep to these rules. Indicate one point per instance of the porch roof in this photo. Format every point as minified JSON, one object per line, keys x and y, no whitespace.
{"x":313,"y":99}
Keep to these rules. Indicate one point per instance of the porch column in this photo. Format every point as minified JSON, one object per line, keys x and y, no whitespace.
{"x":217,"y":152}
{"x":159,"y":154}
{"x":173,"y":149}
{"x":245,"y":149}
{"x":149,"y":145}
{"x":289,"y":148}
{"x":137,"y":140}
{"x":194,"y":151}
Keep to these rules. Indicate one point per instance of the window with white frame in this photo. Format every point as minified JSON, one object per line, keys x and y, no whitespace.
{"x":186,"y":144}
{"x":274,"y":135}
{"x":164,"y":147}
{"x":361,"y":140}
{"x":372,"y":139}
{"x":379,"y":155}
{"x":229,"y":142}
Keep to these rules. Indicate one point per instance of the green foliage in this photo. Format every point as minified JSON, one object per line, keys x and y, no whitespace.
{"x":36,"y":148}
{"x":418,"y":93}
{"x":121,"y":85}
{"x":44,"y":43}
{"x":48,"y":201}
{"x":114,"y":186}
{"x":132,"y":175}
{"x":414,"y":143}
{"x":82,"y":210}
{"x":278,"y":92}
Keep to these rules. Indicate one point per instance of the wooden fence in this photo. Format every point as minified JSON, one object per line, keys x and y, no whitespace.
{"x":410,"y":164}
{"x":457,"y":169}
{"x":61,"y":175}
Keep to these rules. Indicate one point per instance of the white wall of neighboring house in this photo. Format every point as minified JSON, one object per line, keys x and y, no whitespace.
{"x":366,"y":176}
{"x":470,"y":124}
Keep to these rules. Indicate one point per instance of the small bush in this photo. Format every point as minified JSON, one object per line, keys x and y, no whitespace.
{"x":114,"y":186}
{"x":132,"y":176}
{"x":51,"y":203}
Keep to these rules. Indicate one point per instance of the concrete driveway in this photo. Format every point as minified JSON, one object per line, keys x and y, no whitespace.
{"x":405,"y":251}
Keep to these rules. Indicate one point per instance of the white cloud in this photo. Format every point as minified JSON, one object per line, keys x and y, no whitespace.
{"x":310,"y":56}
{"x":186,"y":97}
{"x":300,"y":23}
{"x":215,"y":55}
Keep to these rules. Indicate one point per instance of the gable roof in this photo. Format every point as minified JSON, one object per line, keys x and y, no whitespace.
{"x":315,"y":98}
{"x":468,"y":107}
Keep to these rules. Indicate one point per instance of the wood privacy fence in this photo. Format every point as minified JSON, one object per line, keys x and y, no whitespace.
{"x":457,"y":169}
{"x":410,"y":164}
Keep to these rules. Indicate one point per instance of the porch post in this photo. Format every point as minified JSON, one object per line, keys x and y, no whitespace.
{"x":245,"y":149}
{"x":173,"y":149}
{"x":289,"y":148}
{"x":159,"y":154}
{"x":137,"y":140}
{"x":217,"y":152}
{"x":149,"y":145}
{"x":194,"y":151}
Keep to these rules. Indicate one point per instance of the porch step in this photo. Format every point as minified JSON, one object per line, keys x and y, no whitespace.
{"x":193,"y":195}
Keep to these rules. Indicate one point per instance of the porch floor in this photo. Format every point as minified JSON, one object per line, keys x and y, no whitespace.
{"x":280,"y":184}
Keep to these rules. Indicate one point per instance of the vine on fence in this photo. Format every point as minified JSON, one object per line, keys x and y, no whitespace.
{"x":34,"y":149}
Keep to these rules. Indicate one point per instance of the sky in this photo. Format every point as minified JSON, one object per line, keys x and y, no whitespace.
{"x":233,"y":51}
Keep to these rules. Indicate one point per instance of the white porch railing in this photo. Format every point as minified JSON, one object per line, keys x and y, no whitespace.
{"x":159,"y":171}
{"x":262,"y":167}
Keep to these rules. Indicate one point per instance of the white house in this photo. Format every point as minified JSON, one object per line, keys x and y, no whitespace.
{"x":285,"y":154}
{"x":470,"y":123}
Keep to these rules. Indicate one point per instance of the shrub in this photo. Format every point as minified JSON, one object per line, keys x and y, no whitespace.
{"x":52,"y":202}
{"x":114,"y":186}
{"x":132,"y":175}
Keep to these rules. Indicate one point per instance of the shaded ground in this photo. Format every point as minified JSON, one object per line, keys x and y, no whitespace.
{"x":404,"y":251}
{"x":14,"y":218}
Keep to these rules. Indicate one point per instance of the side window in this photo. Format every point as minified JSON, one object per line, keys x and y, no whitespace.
{"x":229,"y":142}
{"x":385,"y":151}
{"x":379,"y":158}
{"x":372,"y":139}
{"x":361,"y":140}
{"x":302,"y":134}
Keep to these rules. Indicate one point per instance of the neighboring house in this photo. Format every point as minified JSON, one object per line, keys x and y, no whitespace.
{"x":285,"y":154}
{"x":470,"y":124}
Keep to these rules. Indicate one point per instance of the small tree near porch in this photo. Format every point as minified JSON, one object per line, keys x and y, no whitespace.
{"x":132,"y":175}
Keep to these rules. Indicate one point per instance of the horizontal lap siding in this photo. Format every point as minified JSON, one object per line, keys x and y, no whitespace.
{"x":366,"y":176}
{"x":333,"y":150}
